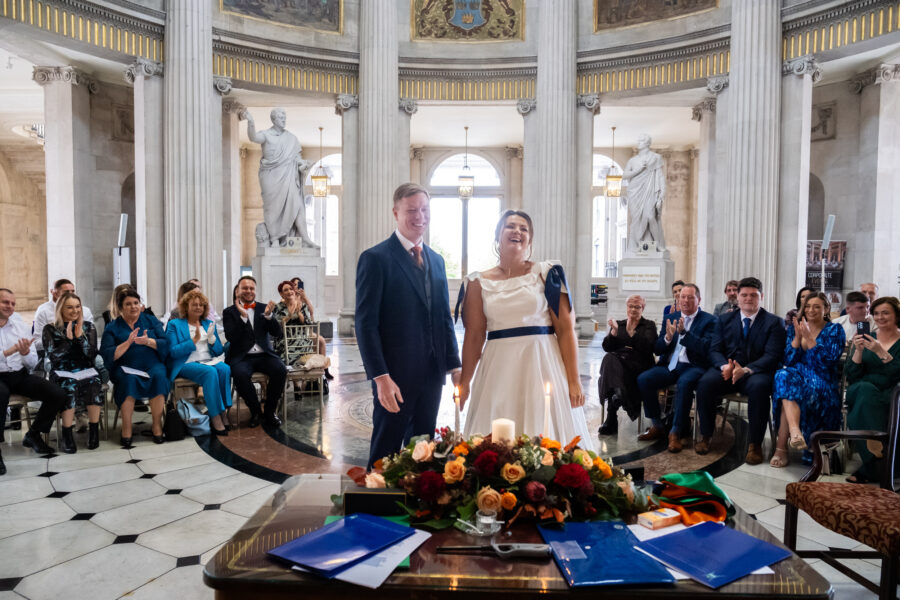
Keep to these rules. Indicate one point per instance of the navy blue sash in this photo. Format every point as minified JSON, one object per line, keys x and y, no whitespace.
{"x":499,"y":334}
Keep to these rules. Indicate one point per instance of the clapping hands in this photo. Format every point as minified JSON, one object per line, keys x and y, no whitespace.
{"x":613,"y":327}
{"x":142,"y":340}
{"x":22,"y":346}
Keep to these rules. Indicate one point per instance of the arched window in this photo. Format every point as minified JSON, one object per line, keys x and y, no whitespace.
{"x":323,"y":214}
{"x":609,"y":223}
{"x":462,"y":229}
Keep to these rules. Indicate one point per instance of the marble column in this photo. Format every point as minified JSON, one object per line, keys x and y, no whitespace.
{"x":720,"y":182}
{"x":69,"y":166}
{"x":875,"y":241}
{"x":555,"y":92}
{"x":231,"y":191}
{"x":705,"y":113}
{"x":677,"y":210}
{"x":408,"y":107}
{"x":378,"y":114}
{"x":193,"y":211}
{"x":588,"y":106}
{"x":149,"y":197}
{"x":417,"y":172}
{"x":527,"y":107}
{"x":346,"y":107}
{"x":799,"y":74}
{"x":752,"y":202}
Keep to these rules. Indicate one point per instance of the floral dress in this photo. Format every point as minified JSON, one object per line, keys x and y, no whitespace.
{"x":74,"y":355}
{"x":280,"y":313}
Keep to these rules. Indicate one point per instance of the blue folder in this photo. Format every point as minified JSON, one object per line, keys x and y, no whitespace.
{"x":341,"y":544}
{"x":602,"y":553}
{"x":713,"y":554}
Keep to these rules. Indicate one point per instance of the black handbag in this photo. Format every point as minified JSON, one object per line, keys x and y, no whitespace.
{"x":174,"y":429}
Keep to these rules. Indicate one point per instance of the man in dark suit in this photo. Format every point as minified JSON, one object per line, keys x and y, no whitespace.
{"x":403,"y":327}
{"x":248,"y":326}
{"x":746,"y":350}
{"x":683,"y":348}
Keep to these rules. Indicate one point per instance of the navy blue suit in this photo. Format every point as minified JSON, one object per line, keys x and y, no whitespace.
{"x":404,"y":329}
{"x":241,"y":339}
{"x":696,"y":342}
{"x":762,"y":351}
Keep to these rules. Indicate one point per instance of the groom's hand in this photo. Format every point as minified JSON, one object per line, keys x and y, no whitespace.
{"x":388,"y":393}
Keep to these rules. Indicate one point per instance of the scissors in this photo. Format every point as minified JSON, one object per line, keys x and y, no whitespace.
{"x":501,"y":550}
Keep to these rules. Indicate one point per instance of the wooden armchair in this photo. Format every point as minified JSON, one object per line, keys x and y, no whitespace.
{"x":865,"y":513}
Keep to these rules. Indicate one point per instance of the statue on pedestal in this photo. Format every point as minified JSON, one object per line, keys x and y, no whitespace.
{"x":644,"y":196}
{"x":282,"y":171}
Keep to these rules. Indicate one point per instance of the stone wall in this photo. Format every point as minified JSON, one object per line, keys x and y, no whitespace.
{"x":678,"y":213}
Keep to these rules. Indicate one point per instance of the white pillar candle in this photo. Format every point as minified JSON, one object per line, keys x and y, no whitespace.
{"x":546,"y":432}
{"x":456,"y":432}
{"x":503,"y":429}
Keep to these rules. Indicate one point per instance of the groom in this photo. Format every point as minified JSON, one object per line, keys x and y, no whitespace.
{"x":403,"y":327}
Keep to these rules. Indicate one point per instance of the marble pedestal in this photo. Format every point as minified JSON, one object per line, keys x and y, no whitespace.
{"x":648,"y":276}
{"x":271,"y":266}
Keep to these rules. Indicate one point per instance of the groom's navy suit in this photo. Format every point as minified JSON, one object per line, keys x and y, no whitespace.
{"x":404,"y":329}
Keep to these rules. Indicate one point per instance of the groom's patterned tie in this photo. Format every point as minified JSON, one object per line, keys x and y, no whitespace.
{"x":417,"y":256}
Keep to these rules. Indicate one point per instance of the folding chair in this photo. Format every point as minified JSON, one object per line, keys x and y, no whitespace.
{"x":301,"y":340}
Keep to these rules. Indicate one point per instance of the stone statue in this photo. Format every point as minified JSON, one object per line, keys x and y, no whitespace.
{"x":281,"y":175}
{"x":644,"y":196}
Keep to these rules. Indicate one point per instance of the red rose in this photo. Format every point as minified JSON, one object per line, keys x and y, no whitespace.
{"x":535,"y":491}
{"x":486,"y":463}
{"x":571,"y":476}
{"x":429,"y":486}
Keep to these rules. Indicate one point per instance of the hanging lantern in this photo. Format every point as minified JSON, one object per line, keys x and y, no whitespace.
{"x":613,"y":177}
{"x":466,"y":180}
{"x":320,"y":177}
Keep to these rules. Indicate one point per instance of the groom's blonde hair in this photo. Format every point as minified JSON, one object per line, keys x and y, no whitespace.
{"x":409,"y":189}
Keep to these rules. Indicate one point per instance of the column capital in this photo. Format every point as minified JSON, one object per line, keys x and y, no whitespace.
{"x":515,"y":152}
{"x":345,"y":102}
{"x":589,"y":101}
{"x":717,"y":83}
{"x":409,"y":105}
{"x":47,"y":75}
{"x":230,"y":105}
{"x":526,"y":105}
{"x":417,"y":153}
{"x":142,"y":67}
{"x":803,"y":65}
{"x":222,"y":84}
{"x":707,"y":105}
{"x":694,"y":153}
{"x":874,"y":76}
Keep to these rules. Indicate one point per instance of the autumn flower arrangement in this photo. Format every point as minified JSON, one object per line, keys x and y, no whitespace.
{"x":534,"y":477}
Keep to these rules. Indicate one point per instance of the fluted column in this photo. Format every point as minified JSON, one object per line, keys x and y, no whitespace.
{"x":378,"y":115}
{"x":705,"y":113}
{"x":555,"y":92}
{"x":193,"y":211}
{"x":408,"y":107}
{"x":755,"y":81}
{"x":346,"y":106}
{"x":149,"y":197}
{"x":231,"y":190}
{"x":580,"y":280}
{"x":793,"y":207}
{"x":69,"y":167}
{"x":527,"y":107}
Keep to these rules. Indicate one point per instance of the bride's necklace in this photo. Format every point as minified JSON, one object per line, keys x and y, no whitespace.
{"x":509,"y":272}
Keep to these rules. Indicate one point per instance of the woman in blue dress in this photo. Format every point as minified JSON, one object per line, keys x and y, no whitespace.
{"x":136,"y":341}
{"x":806,"y":389}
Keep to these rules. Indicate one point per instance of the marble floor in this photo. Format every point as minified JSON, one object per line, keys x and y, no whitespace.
{"x":141,"y":523}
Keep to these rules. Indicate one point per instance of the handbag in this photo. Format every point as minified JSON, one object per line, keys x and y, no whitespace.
{"x":197,"y":423}
{"x":173,"y":427}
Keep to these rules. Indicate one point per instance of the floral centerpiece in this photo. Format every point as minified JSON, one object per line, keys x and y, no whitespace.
{"x":447,"y":478}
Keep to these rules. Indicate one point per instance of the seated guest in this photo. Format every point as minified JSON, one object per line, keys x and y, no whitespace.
{"x":676,"y":289}
{"x":71,"y":345}
{"x":806,"y":397}
{"x":746,"y":350}
{"x":46,"y":312}
{"x":869,"y":290}
{"x":248,"y":326}
{"x":17,"y":357}
{"x":193,"y":347}
{"x":136,"y":341}
{"x":683,"y":349}
{"x":292,"y":310}
{"x":184,"y":288}
{"x":297,"y":283}
{"x":629,"y":351}
{"x":802,"y":294}
{"x":856,"y":313}
{"x":730,"y":304}
{"x":873,"y":370}
{"x":112,"y":310}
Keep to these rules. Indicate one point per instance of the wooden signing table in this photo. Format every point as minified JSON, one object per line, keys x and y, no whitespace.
{"x":241,"y":568}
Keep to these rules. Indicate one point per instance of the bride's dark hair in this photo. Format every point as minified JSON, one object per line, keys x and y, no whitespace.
{"x":506,"y":215}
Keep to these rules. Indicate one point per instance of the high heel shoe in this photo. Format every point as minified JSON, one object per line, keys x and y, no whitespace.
{"x":219,"y":432}
{"x":68,"y":441}
{"x":780,"y":460}
{"x":797,"y":442}
{"x":126,"y":442}
{"x":93,"y":435}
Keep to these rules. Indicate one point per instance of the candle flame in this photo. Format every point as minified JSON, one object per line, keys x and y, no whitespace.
{"x":456,"y":393}
{"x":547,"y":388}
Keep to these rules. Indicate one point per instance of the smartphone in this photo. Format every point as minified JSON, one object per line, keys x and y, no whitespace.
{"x":862,"y":328}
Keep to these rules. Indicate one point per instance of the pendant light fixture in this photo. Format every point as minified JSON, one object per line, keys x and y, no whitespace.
{"x":613,"y":177}
{"x":466,"y":179}
{"x":320,"y":177}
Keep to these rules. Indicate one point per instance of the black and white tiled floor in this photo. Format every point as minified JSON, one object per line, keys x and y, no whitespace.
{"x":141,"y":523}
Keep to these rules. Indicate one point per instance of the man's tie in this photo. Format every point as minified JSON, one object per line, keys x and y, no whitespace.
{"x":676,"y":353}
{"x":417,"y":256}
{"x":746,"y":327}
{"x":249,"y":306}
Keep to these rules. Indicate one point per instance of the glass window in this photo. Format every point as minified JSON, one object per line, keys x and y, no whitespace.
{"x":447,"y":174}
{"x":446,"y":235}
{"x":483,"y":216}
{"x":609,"y":221}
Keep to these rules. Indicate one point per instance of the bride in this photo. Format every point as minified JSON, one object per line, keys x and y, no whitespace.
{"x":524,"y":310}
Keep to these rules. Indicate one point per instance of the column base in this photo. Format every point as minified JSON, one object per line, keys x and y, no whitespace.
{"x":584,"y":326}
{"x":347,"y":323}
{"x":648,"y":277}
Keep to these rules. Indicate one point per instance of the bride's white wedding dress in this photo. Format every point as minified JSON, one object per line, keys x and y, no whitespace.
{"x":509,"y":381}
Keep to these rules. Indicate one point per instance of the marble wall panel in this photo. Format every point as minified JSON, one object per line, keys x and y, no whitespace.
{"x":677,"y":212}
{"x":23,"y":237}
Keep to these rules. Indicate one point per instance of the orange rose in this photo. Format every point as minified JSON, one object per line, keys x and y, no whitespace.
{"x":476,"y":441}
{"x":423,"y":451}
{"x":550,"y":444}
{"x":508,"y":501}
{"x":375,"y":480}
{"x":488,"y":499}
{"x":512,"y":472}
{"x":454,"y":470}
{"x":546,"y":458}
{"x":628,"y":488}
{"x":604,"y":468}
{"x":461,"y":449}
{"x":583,"y":457}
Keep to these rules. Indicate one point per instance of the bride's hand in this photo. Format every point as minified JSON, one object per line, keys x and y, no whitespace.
{"x":463,"y":395}
{"x":576,"y":395}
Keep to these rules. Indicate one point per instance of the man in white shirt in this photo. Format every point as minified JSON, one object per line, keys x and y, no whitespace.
{"x":17,"y":357}
{"x":46,"y":312}
{"x":857,"y":313}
